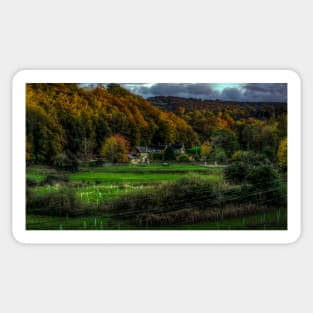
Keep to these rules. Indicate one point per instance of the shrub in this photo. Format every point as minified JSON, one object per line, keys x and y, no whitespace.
{"x":249,"y":158}
{"x":265,"y":182}
{"x":242,"y":163}
{"x":54,"y":179}
{"x":221,"y":157}
{"x":236,"y":172}
{"x":31,"y":182}
{"x":186,"y":193}
{"x":183,"y":158}
{"x":62,"y":203}
{"x":66,"y":161}
{"x":262,"y":176}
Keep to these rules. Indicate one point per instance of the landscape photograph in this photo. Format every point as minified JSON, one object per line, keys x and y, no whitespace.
{"x":156,"y":156}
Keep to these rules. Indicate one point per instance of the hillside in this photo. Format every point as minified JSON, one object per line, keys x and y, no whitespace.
{"x":230,"y":125}
{"x":66,"y":117}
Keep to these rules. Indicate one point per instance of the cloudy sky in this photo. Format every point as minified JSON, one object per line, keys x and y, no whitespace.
{"x":267,"y":92}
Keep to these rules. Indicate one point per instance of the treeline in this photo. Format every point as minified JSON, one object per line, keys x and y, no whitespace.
{"x":260,"y":110}
{"x":66,"y":117}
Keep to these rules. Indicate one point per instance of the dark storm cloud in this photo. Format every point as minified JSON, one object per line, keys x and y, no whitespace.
{"x":255,"y":92}
{"x":231,"y":94}
{"x":204,"y":91}
{"x":265,"y":92}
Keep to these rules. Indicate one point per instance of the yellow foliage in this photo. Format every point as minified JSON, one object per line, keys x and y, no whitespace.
{"x":206,"y":149}
{"x":282,"y":154}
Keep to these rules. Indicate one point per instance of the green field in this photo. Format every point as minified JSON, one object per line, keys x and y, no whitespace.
{"x":106,"y":183}
{"x":268,"y":221}
{"x":97,"y":186}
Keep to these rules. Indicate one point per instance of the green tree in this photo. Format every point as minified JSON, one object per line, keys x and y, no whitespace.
{"x":44,"y":135}
{"x":115,"y":149}
{"x":251,"y":135}
{"x":220,"y":156}
{"x":226,"y":140}
{"x":169,"y":154}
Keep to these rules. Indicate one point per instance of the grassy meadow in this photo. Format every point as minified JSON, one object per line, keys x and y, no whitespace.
{"x":156,"y":196}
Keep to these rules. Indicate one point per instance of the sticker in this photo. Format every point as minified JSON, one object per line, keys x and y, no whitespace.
{"x":156,"y":156}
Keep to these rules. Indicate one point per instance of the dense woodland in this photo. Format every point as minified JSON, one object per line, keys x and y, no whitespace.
{"x":69,"y":117}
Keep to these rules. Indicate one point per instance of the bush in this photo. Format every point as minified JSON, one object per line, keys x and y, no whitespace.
{"x":183,"y":158}
{"x":62,"y":203}
{"x":221,"y":157}
{"x":249,"y":158}
{"x":242,"y":163}
{"x":54,"y":179}
{"x":31,"y":182}
{"x":66,"y":161}
{"x":265,"y":182}
{"x":186,"y":193}
{"x":263,"y":176}
{"x":236,"y":172}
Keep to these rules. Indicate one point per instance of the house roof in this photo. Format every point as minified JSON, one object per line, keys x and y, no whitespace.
{"x":141,"y":149}
{"x":154,"y":148}
{"x":177,"y":147}
{"x":157,"y":147}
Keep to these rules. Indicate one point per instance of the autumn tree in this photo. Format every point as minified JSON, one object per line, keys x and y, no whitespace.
{"x":69,"y":117}
{"x":282,"y":154}
{"x":206,"y":149}
{"x":115,"y":149}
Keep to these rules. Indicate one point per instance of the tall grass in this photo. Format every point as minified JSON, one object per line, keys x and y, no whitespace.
{"x":60,"y":203}
{"x":194,"y":199}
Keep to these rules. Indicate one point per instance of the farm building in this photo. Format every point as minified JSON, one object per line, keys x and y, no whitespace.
{"x":140,"y":154}
{"x":157,"y":148}
{"x":179,"y":149}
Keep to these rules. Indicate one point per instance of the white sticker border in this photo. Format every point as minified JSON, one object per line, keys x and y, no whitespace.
{"x":161,"y":236}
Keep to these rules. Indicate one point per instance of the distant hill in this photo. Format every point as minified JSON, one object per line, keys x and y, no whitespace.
{"x":247,"y":109}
